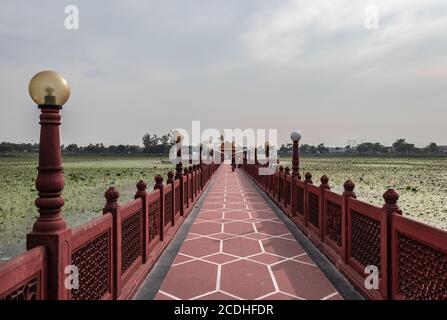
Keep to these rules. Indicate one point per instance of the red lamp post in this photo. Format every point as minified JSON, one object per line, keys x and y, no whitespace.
{"x":296,"y":137}
{"x":222,"y":149}
{"x":256,"y":155}
{"x":233,"y":156}
{"x":267,"y":153}
{"x":50,"y":91}
{"x":179,"y":165}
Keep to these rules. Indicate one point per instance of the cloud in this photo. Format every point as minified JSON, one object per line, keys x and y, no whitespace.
{"x":155,"y":65}
{"x":299,"y":31}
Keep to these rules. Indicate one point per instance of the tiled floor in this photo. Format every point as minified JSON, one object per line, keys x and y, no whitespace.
{"x":237,"y":248}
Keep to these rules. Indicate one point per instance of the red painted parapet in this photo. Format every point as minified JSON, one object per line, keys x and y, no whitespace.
{"x":186,"y":198}
{"x":110,"y":255}
{"x":154,"y":213}
{"x":366,"y":245}
{"x":419,"y":260}
{"x":198,"y":183}
{"x":167,"y":208}
{"x":360,"y":239}
{"x":287,"y":190}
{"x":170,"y":181}
{"x":190,"y":184}
{"x":25,"y":276}
{"x":159,"y":186}
{"x":280,"y":185}
{"x":131,"y":250}
{"x":315,"y":207}
{"x":298,"y":210}
{"x":195,"y":177}
{"x":332,"y":220}
{"x":93,"y":256}
{"x":142,"y":194}
{"x":178,"y":204}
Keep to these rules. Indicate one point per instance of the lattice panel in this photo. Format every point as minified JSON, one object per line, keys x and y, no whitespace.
{"x":333,"y":222}
{"x":422,"y":271}
{"x":314,"y":206}
{"x":281,"y":188}
{"x":130,"y":240}
{"x":27,"y":290}
{"x":365,"y":240}
{"x":288,"y":193}
{"x":168,"y":208}
{"x":154,"y":220}
{"x":177,"y":200}
{"x":185,"y":195}
{"x":275,"y":185}
{"x":93,"y":261}
{"x":299,"y":200}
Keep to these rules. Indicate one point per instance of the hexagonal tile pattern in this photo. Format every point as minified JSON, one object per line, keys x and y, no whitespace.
{"x":239,"y":227}
{"x":302,"y":280}
{"x":282,"y":247}
{"x":190,"y":279}
{"x":237,"y":215}
{"x":253,"y":279}
{"x":204,"y":228}
{"x":241,"y":247}
{"x":271,"y":228}
{"x":238,"y":249}
{"x":200,"y":247}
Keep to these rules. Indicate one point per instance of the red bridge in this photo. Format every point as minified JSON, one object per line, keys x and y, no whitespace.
{"x":216,"y":232}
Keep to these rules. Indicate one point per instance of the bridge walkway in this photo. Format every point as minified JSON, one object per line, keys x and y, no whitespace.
{"x":237,"y":247}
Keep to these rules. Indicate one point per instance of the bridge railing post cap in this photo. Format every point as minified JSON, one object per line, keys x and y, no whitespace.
{"x":348,"y":185}
{"x":141,"y":185}
{"x":390,"y":196}
{"x":158,"y":179}
{"x":112,"y":194}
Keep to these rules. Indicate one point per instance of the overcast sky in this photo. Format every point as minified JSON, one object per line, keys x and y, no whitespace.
{"x":138,"y":66}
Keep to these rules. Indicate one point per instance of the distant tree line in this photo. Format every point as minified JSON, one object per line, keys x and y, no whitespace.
{"x":9,"y":147}
{"x":100,"y":148}
{"x":400,"y":146}
{"x":153,"y":144}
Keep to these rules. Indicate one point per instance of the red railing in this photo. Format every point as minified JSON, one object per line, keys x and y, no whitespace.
{"x":410,"y":257}
{"x":366,"y":241}
{"x":168,"y":208}
{"x":332,"y":224}
{"x":419,"y":260}
{"x":93,"y":255}
{"x":112,"y":253}
{"x":177,"y":199}
{"x":153,"y":214}
{"x":24,"y":277}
